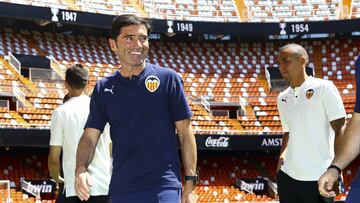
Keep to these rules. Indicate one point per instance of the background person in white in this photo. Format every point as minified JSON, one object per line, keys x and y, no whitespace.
{"x":312,"y":114}
{"x":67,"y":124}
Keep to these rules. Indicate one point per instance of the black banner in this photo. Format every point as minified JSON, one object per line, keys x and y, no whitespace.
{"x":13,"y":137}
{"x":41,"y":138}
{"x":238,"y":142}
{"x":189,"y":27}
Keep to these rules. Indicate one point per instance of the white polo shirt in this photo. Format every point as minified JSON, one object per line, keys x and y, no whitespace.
{"x":67,"y":126}
{"x":306,"y":113}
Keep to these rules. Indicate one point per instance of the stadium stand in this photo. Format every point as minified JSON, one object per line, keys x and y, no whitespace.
{"x":223,"y":72}
{"x":209,"y":10}
{"x":218,"y":174}
{"x":294,"y":10}
{"x":216,"y":10}
{"x":355,"y":12}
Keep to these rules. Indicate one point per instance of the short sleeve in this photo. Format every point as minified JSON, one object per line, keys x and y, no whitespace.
{"x":357,"y":73}
{"x":106,"y":133}
{"x":284,"y":125}
{"x":56,"y":129}
{"x":97,"y":117}
{"x":179,"y":106}
{"x":332,"y":102}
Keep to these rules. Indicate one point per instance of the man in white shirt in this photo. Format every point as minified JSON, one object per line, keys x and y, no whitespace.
{"x":312,"y":114}
{"x":61,"y":198}
{"x":67,"y":124}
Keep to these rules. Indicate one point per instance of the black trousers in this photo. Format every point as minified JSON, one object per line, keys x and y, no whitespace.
{"x":92,"y":199}
{"x":74,"y":199}
{"x":295,"y":191}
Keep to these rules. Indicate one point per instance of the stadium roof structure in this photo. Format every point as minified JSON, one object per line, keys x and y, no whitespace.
{"x":73,"y":17}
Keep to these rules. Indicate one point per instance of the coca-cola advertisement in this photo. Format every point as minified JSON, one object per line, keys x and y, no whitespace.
{"x":238,"y":142}
{"x":220,"y":142}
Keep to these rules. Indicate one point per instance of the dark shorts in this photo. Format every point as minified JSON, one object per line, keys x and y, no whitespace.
{"x":354,"y":193}
{"x":353,"y":196}
{"x":295,"y":191}
{"x":166,"y":195}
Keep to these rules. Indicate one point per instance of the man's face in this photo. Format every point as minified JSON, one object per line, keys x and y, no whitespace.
{"x":131,"y":46}
{"x":290,"y":65}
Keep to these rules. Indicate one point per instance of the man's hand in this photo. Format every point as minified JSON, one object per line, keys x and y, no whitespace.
{"x":327,"y":181}
{"x":83,"y":182}
{"x":60,"y":180}
{"x":188,"y":193}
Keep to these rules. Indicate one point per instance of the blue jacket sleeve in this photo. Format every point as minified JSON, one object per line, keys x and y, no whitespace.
{"x":357,"y":73}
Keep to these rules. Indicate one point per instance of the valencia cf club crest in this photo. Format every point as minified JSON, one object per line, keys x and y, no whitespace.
{"x":309,"y":93}
{"x":152,"y":83}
